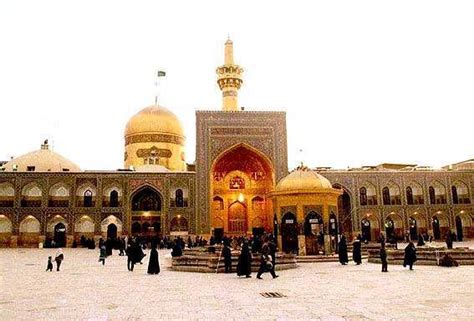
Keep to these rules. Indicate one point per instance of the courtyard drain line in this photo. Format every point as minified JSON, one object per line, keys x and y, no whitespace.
{"x":272,"y":295}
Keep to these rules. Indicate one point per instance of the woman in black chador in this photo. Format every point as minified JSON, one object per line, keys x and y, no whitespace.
{"x":356,"y":251}
{"x":244,"y":265}
{"x":227,"y":254}
{"x":343,"y":258}
{"x":410,"y":255}
{"x":449,"y":241}
{"x":383,"y":257}
{"x":153,"y":263}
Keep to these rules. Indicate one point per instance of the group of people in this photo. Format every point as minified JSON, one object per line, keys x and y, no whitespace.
{"x":356,"y":250}
{"x":409,"y":258}
{"x":265,"y":247}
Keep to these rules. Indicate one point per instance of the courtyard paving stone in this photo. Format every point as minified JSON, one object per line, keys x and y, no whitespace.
{"x":84,"y":289}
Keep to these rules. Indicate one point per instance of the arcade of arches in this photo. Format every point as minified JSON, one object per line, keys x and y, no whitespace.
{"x":240,"y":180}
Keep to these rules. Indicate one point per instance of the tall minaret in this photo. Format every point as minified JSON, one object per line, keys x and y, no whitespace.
{"x":229,"y":79}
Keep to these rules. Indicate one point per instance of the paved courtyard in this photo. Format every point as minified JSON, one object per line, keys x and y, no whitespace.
{"x":85,"y":289}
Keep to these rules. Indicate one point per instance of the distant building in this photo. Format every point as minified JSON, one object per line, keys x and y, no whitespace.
{"x":238,"y":185}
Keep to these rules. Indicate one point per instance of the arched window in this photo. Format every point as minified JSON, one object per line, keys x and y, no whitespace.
{"x":386,"y":196}
{"x":114,"y":198}
{"x":432,"y":195}
{"x":218,"y":203}
{"x":409,"y":196}
{"x":88,"y":198}
{"x":179,"y":198}
{"x":454,"y":191}
{"x":363,"y":196}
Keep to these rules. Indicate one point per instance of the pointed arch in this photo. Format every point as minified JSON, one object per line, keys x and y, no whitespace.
{"x":7,"y":194}
{"x":59,"y":195}
{"x":437,"y":192}
{"x":147,"y":198}
{"x":460,"y":193}
{"x":31,"y":195}
{"x":370,"y":192}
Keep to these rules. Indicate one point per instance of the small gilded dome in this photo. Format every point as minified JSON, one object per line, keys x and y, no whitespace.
{"x":303,"y":179}
{"x":154,"y":119}
{"x":43,"y":160}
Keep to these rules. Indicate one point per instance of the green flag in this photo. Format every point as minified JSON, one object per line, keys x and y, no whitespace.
{"x":161,"y":73}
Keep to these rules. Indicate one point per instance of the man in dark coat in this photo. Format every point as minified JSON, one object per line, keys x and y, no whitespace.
{"x":272,"y":248}
{"x":244,"y":265}
{"x":343,"y":258}
{"x":266,"y":262}
{"x":357,"y":251}
{"x":383,"y":257}
{"x":410,"y":255}
{"x":153,"y":263}
{"x":227,"y":255}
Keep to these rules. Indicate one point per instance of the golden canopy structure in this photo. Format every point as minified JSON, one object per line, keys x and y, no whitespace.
{"x":305,"y":204}
{"x":154,"y":138}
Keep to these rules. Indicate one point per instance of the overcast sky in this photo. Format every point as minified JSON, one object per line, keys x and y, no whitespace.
{"x":362,"y":82}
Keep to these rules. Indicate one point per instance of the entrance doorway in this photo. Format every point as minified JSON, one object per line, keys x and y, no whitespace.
{"x":289,"y":233}
{"x":314,"y":233}
{"x":60,"y":235}
{"x":112,"y":231}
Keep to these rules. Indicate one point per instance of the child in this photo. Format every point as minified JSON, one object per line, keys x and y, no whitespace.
{"x":50,"y":264}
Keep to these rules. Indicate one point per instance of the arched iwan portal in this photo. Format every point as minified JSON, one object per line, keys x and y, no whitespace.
{"x":240,"y":179}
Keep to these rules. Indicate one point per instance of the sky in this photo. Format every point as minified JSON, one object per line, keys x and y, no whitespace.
{"x":362,"y":82}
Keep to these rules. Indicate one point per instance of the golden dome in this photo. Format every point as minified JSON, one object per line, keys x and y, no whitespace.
{"x":303,"y":179}
{"x":154,"y":119}
{"x":43,"y":160}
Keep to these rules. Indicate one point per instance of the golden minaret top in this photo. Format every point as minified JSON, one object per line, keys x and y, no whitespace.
{"x":229,"y":79}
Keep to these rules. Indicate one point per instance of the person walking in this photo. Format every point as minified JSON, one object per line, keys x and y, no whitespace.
{"x":102,"y":254}
{"x":59,"y":258}
{"x":153,"y":263}
{"x":130,"y":257}
{"x":383,"y":257}
{"x":410,"y":255}
{"x":244,"y":265}
{"x":272,"y":249}
{"x":227,"y":255}
{"x":357,"y":251}
{"x":343,"y":258}
{"x":266,"y":262}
